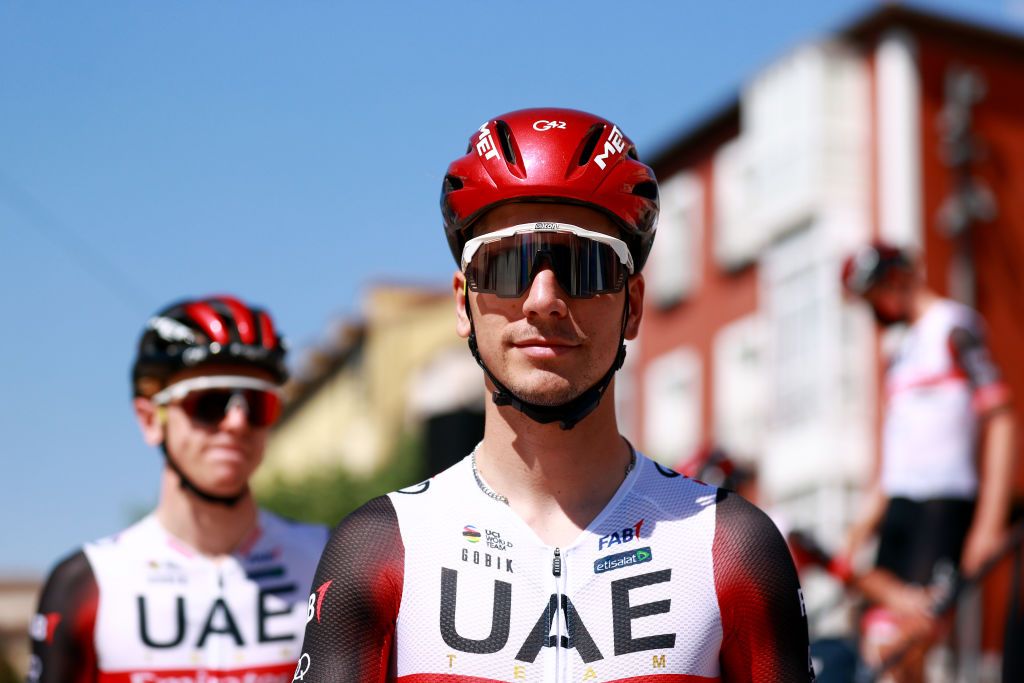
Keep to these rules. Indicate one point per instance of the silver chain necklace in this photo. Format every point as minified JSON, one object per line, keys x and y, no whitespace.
{"x":502,"y":499}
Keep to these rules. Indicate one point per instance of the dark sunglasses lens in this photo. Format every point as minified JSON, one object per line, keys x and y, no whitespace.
{"x":210,"y":406}
{"x":264,"y":407}
{"x":582,"y":266}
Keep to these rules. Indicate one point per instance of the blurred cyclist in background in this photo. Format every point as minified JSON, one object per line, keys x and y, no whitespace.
{"x":944,"y":401}
{"x":554,"y":551}
{"x":207,"y":586}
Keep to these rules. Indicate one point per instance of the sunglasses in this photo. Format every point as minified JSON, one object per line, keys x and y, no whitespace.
{"x":585,"y":263}
{"x":208,"y":400}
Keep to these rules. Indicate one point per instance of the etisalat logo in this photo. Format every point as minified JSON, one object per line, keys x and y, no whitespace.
{"x":620,"y":560}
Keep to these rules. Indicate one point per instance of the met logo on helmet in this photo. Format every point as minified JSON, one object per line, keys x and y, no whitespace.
{"x":613,"y":145}
{"x":485,"y":143}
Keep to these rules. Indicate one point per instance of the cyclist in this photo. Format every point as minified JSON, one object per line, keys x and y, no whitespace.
{"x":207,"y":586}
{"x":554,"y":551}
{"x":944,"y":397}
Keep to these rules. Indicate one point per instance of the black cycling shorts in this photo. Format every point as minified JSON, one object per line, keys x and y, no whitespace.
{"x":916,"y":536}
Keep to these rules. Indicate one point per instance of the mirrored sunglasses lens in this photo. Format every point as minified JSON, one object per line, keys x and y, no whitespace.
{"x":582,"y":266}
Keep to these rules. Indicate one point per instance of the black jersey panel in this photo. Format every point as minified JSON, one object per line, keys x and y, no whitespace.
{"x":355,"y":598}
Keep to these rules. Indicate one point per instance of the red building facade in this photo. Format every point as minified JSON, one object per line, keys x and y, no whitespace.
{"x":905,"y":126}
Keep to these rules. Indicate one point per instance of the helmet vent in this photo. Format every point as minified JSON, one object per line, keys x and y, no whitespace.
{"x":647,"y":190}
{"x":505,"y":140}
{"x":631,"y":153}
{"x":452,"y":183}
{"x":589,"y":144}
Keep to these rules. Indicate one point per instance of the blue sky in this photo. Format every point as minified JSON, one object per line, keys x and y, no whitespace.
{"x":291,"y":153}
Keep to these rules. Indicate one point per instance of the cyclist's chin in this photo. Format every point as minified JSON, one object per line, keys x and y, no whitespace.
{"x":546,"y":388}
{"x":228,"y":468}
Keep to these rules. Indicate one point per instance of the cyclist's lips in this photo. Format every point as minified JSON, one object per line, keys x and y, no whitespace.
{"x":539,"y":347}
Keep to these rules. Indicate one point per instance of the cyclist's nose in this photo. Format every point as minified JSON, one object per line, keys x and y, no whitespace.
{"x":545,"y":297}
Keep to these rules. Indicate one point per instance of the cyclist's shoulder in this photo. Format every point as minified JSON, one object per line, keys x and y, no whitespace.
{"x":948,"y":314}
{"x":744,"y":530}
{"x":438,"y":490}
{"x":670,"y":489}
{"x":70,"y":572}
{"x":134,"y":539}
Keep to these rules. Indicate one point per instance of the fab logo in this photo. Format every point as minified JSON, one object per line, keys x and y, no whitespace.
{"x":617,"y":537}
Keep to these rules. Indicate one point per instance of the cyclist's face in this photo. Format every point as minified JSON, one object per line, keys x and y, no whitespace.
{"x":544,"y":345}
{"x":891,"y":298}
{"x":219,"y":457}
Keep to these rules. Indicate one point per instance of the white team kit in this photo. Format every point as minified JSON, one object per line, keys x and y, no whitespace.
{"x":674,"y":581}
{"x":142,"y":607}
{"x":938,"y":382}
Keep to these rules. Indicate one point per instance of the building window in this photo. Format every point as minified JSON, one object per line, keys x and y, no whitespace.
{"x":737,"y":240}
{"x":672,"y":406}
{"x":740,"y":386}
{"x":675,"y":262}
{"x":794,"y":295}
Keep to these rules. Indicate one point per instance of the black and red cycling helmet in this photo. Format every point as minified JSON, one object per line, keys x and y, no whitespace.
{"x":196,"y":332}
{"x":865,"y":268}
{"x":552,"y":155}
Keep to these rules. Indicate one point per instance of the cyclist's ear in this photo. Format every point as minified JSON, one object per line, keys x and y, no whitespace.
{"x":460,"y":288}
{"x":635,"y":291}
{"x":151,"y":420}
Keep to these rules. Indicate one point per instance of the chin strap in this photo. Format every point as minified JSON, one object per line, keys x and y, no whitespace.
{"x":187,"y":485}
{"x":567,"y":414}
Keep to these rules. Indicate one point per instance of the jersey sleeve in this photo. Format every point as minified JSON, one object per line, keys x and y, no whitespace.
{"x":974,"y":360}
{"x":62,"y":642}
{"x":764,"y":623}
{"x":353,"y":607}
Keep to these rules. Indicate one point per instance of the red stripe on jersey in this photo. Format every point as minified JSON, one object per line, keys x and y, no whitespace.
{"x":85,"y":629}
{"x":950,"y":377}
{"x":208,"y":319}
{"x":243,"y":318}
{"x":650,"y":678}
{"x":279,"y":672}
{"x":266,"y":330}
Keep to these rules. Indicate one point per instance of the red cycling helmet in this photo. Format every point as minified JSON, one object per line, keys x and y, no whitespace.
{"x":552,"y":155}
{"x":866,"y":267}
{"x":197,"y":332}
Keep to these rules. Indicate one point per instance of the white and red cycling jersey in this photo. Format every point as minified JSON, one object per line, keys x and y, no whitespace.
{"x":673,"y":582}
{"x":143,"y":607}
{"x":938,"y":383}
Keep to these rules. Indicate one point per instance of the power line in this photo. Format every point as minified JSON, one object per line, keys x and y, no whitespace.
{"x":93,"y":262}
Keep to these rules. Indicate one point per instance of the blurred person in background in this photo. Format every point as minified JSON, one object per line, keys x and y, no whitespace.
{"x":208,"y":585}
{"x":933,"y":512}
{"x":554,"y":551}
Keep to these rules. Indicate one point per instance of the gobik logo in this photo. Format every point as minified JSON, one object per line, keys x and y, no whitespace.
{"x":610,"y":562}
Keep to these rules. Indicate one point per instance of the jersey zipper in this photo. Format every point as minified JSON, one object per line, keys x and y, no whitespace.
{"x":556,"y":571}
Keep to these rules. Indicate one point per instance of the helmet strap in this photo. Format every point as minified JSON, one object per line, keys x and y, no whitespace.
{"x":188,"y":485}
{"x":567,"y":414}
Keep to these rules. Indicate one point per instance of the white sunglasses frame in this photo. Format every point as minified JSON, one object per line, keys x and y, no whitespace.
{"x":180,"y":390}
{"x":620,"y":248}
